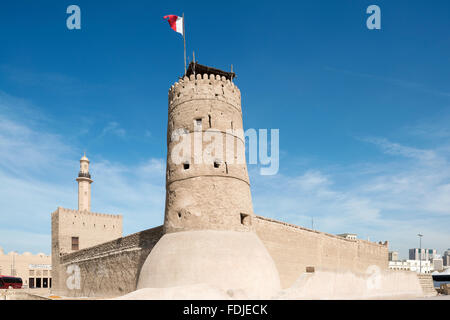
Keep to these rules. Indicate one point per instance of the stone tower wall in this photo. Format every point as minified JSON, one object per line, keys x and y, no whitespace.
{"x":84,"y":195}
{"x":84,"y":186}
{"x":204,"y":196}
{"x":91,"y":229}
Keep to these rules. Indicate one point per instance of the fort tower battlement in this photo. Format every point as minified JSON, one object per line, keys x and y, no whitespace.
{"x":206,"y":190}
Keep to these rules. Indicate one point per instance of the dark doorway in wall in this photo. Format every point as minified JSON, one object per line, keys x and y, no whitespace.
{"x":31,"y":282}
{"x":45,"y":283}
{"x":246,"y":219}
{"x":38,"y":283}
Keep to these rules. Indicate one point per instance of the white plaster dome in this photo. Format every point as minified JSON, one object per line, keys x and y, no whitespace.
{"x":225,"y":259}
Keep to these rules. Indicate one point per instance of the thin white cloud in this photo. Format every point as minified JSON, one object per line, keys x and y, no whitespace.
{"x":37,"y":174}
{"x":115,"y":129}
{"x":401,"y":150}
{"x":390,"y":200}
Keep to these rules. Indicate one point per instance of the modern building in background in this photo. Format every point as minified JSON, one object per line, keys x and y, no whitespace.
{"x":412,"y":265}
{"x":35,"y":270}
{"x":437,"y":264}
{"x":351,"y":236}
{"x":393,"y":256}
{"x":422,"y":254}
{"x":446,"y":258}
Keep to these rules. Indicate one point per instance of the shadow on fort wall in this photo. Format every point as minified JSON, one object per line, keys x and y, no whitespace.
{"x":111,"y":268}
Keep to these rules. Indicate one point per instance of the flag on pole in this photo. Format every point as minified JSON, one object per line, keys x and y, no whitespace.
{"x":176,"y":23}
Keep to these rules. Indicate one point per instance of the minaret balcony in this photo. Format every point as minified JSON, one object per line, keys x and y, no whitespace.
{"x":82,"y":174}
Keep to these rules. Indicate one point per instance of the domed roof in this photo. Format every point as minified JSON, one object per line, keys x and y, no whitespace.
{"x":84,"y":158}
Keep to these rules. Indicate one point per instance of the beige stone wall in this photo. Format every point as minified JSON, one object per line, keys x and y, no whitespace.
{"x":109,"y":269}
{"x":293,"y":248}
{"x":204,"y":196}
{"x":84,"y":194}
{"x":91,"y":229}
{"x":112,"y":268}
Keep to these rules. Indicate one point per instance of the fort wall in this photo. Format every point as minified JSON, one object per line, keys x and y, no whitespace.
{"x":112,"y":268}
{"x":109,"y":269}
{"x":89,"y":228}
{"x":294,"y":248}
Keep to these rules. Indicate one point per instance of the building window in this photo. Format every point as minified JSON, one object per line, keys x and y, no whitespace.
{"x":216,"y":164}
{"x":31,"y":273}
{"x":186,"y":165}
{"x":75,"y":243}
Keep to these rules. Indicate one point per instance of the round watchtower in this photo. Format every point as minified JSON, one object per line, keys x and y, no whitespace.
{"x":206,"y":188}
{"x":208,"y":200}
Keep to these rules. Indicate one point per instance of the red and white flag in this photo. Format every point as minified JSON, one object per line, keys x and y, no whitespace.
{"x":176,"y":23}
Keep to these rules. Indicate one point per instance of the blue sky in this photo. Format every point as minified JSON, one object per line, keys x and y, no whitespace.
{"x":364,"y":115}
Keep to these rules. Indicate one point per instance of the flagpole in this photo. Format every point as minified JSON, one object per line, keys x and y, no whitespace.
{"x":184,"y":40}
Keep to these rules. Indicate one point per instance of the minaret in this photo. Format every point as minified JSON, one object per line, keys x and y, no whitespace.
{"x":84,"y":185}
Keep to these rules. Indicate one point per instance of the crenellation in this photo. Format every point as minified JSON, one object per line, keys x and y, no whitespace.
{"x":214,"y":88}
{"x":289,"y":226}
{"x":87,"y":213}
